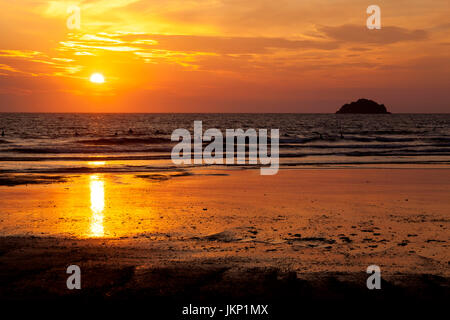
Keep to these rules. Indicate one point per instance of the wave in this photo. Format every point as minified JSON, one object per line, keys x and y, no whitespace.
{"x":86,"y":158}
{"x":360,"y":146}
{"x":124,"y":141}
{"x":326,"y":138}
{"x":74,"y":150}
{"x":388,"y":132}
{"x":153,"y":172}
{"x":440,"y":139}
{"x":90,"y":170}
{"x":365,"y":162}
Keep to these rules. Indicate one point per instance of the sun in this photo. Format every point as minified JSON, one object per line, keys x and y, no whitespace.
{"x":97,"y":78}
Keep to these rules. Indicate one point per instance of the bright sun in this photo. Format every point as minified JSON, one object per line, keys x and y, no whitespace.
{"x":97,"y":78}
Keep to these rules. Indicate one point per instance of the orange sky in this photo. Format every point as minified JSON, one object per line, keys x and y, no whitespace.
{"x":223,"y":56}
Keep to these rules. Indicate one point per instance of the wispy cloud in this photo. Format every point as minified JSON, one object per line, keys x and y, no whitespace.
{"x":360,"y":34}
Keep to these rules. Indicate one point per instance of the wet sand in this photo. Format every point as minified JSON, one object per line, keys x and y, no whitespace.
{"x":229,"y":235}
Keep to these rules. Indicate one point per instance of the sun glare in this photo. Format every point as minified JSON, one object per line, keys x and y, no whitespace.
{"x":97,"y":78}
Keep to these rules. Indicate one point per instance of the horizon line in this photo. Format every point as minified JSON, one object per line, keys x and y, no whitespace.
{"x":47,"y":112}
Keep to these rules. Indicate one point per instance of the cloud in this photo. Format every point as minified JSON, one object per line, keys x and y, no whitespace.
{"x":360,"y":34}
{"x":94,"y":7}
{"x":227,"y":45}
{"x":19,"y":53}
{"x":33,"y":63}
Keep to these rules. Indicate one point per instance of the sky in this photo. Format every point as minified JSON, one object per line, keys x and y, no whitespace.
{"x":307,"y":56}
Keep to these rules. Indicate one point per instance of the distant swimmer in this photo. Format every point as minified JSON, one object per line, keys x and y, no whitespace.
{"x":340,"y":130}
{"x":76,"y":134}
{"x":115,"y":133}
{"x":130,"y":131}
{"x":3,"y":133}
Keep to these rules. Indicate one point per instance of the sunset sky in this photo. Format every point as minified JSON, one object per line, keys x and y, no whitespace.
{"x":223,"y":56}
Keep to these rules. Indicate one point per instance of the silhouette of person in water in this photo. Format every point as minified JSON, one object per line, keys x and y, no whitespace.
{"x":3,"y":133}
{"x":320,"y":135}
{"x":76,"y":134}
{"x":130,"y":131}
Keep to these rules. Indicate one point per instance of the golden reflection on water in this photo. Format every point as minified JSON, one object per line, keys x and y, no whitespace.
{"x":97,"y":188}
{"x":96,"y":163}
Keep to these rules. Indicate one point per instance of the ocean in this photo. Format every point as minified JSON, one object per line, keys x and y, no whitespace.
{"x":77,"y":143}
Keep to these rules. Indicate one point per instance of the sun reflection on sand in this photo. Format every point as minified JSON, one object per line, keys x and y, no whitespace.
{"x":97,"y":205}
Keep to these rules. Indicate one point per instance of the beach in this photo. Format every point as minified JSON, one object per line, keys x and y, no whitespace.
{"x":232,"y":233}
{"x":224,"y":159}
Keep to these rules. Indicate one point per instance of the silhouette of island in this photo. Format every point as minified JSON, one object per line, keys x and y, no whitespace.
{"x":363,"y":106}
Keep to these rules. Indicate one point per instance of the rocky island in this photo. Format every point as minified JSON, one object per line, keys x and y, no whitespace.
{"x":363,"y":106}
